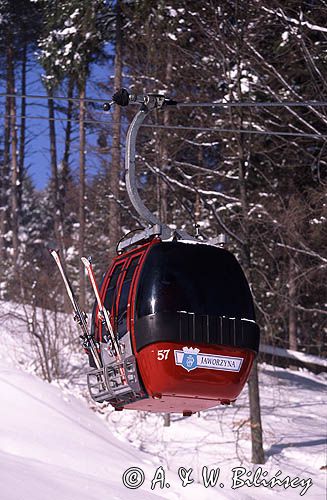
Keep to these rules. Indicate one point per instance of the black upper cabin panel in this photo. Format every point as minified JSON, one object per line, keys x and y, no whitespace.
{"x":193,"y":278}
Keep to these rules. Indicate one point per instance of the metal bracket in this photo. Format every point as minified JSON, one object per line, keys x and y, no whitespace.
{"x":146,"y":234}
{"x":219,"y":241}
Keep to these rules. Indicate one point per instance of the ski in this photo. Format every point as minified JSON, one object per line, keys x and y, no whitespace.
{"x":104,"y":314}
{"x":80,"y":316}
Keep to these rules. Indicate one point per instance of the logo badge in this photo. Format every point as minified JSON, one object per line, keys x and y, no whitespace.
{"x":189,"y":360}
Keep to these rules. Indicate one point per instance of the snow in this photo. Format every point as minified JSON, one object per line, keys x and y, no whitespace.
{"x":54,"y":446}
{"x":301,"y":356}
{"x":67,"y":31}
{"x":297,"y":22}
{"x":321,"y":220}
{"x":68,"y":48}
{"x":172,"y":12}
{"x":294,"y":418}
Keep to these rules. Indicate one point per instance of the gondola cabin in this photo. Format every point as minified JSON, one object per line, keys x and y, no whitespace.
{"x":184,"y":318}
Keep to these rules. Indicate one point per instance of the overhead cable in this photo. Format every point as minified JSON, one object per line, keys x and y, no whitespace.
{"x":181,"y":127}
{"x":226,"y":104}
{"x":243,"y":131}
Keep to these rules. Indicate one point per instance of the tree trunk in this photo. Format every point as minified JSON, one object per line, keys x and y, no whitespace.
{"x":65,"y":171}
{"x":4,"y":177}
{"x":22,"y":129}
{"x":292,"y":316}
{"x":165,"y":139}
{"x":68,"y":130}
{"x":162,"y":159}
{"x":54,"y":169}
{"x":258,"y":456}
{"x":81,"y":240}
{"x":197,"y":204}
{"x":14,"y":159}
{"x":114,"y":175}
{"x":166,"y":419}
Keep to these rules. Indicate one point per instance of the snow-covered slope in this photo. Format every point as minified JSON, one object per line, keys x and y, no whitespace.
{"x":294,"y":417}
{"x":53,"y":446}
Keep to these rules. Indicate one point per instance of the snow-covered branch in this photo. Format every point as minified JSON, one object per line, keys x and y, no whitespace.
{"x":297,"y":22}
{"x":305,"y":251}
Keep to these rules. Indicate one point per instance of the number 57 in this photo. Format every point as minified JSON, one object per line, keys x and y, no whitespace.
{"x":163,"y":354}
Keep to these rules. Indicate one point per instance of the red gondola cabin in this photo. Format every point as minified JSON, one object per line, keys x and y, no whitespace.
{"x":183,"y":314}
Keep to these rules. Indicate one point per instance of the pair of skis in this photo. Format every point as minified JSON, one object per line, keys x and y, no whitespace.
{"x":80,"y":316}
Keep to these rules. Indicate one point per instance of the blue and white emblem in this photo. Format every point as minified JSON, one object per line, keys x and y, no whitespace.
{"x":188,"y":358}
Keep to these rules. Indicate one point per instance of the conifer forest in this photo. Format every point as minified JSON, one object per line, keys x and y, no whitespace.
{"x":250,"y":162}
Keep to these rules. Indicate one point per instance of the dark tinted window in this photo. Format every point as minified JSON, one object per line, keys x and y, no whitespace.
{"x":193,"y":278}
{"x":110,"y":294}
{"x":122,"y":306}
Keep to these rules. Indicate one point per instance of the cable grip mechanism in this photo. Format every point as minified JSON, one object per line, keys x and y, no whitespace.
{"x":122,"y":97}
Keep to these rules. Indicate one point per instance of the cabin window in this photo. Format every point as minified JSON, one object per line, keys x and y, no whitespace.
{"x":110,"y":293}
{"x":123,"y":300}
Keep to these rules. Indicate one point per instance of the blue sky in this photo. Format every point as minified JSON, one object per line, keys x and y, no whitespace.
{"x":37,"y":144}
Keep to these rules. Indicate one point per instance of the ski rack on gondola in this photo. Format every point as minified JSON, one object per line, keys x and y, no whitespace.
{"x":112,"y":379}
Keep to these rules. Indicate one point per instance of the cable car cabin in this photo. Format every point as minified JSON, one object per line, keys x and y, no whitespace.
{"x":184,"y":317}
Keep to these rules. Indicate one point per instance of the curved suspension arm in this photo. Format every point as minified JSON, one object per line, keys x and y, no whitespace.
{"x":131,"y":182}
{"x":149,"y":102}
